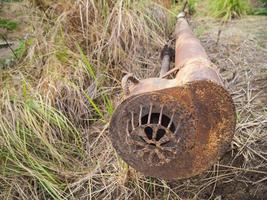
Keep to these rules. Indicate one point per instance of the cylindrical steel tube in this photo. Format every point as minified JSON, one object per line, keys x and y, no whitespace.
{"x":165,"y":65}
{"x":167,"y":55}
{"x":191,"y":58}
{"x":175,"y":128}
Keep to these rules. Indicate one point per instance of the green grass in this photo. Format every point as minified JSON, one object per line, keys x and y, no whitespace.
{"x":192,"y":4}
{"x":106,"y":101}
{"x":21,"y":50}
{"x":259,"y":11}
{"x":8,"y":24}
{"x":30,"y":144}
{"x":228,"y":9}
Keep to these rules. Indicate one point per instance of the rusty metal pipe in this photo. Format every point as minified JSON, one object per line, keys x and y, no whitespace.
{"x":165,"y":66}
{"x":191,"y":58}
{"x":175,"y":128}
{"x":167,"y":56}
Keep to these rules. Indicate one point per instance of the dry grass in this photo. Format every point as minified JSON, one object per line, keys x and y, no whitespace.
{"x":57,"y":101}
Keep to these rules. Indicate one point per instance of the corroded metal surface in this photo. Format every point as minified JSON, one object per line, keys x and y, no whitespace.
{"x":156,"y":131}
{"x":199,"y":122}
{"x":191,"y":58}
{"x":176,"y":128}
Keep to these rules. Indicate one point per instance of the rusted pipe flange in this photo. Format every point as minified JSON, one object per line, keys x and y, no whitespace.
{"x":174,"y":133}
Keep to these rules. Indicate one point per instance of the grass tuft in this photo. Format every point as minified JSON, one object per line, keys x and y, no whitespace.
{"x":8,"y":24}
{"x":228,"y":9}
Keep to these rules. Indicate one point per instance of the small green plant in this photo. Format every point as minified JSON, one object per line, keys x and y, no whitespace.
{"x":228,"y":9}
{"x":8,"y":24}
{"x":192,"y":6}
{"x":15,"y":55}
{"x":19,"y":52}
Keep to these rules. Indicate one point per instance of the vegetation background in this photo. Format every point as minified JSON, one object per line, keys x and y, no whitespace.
{"x":61,"y":62}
